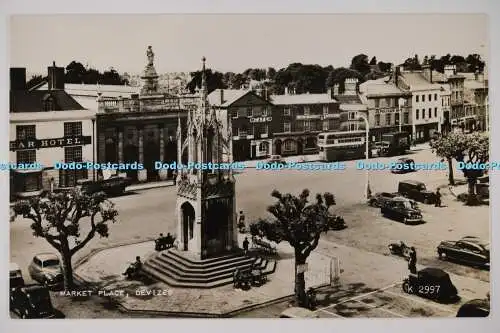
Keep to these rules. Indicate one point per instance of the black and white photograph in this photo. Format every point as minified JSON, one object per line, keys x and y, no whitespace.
{"x":249,"y":166}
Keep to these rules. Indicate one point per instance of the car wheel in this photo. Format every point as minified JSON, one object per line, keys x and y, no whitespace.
{"x":406,"y":287}
{"x":442,"y":255}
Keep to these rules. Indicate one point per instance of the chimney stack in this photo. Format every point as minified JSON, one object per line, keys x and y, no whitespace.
{"x":55,"y":77}
{"x":18,"y":78}
{"x":350,"y":86}
{"x":397,"y":73}
{"x":427,"y":72}
{"x":221,"y":96}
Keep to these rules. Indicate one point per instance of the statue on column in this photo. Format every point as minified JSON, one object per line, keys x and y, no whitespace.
{"x":151,"y":56}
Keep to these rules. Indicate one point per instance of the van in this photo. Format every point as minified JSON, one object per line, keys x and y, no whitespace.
{"x":296,"y":312}
{"x":417,"y":191}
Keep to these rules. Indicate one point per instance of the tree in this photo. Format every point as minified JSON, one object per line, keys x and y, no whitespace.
{"x":384,"y":67}
{"x":467,"y":149}
{"x":360,"y":64}
{"x":271,"y":73}
{"x":75,"y":72}
{"x":373,"y":61}
{"x":476,"y":152}
{"x":448,"y":147}
{"x":35,"y":80}
{"x":215,"y":80}
{"x":300,"y":224}
{"x":60,"y":218}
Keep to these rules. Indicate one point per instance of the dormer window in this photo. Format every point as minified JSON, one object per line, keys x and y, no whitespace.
{"x":48,"y":103}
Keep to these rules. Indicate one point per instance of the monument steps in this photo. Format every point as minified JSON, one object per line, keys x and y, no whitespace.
{"x":169,"y":262}
{"x":172,"y":256}
{"x":178,"y":270}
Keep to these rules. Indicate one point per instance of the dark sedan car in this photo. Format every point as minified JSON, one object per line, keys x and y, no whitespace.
{"x":32,"y":301}
{"x":403,"y":210}
{"x":403,"y":165}
{"x":381,"y":198}
{"x":468,"y":250}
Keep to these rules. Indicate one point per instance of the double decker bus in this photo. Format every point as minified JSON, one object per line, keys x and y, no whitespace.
{"x":341,"y":146}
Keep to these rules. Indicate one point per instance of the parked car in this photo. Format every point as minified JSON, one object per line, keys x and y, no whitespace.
{"x":417,"y":191}
{"x":32,"y":301}
{"x":381,"y":198}
{"x":296,"y":312}
{"x":16,"y":279}
{"x":45,"y":268}
{"x":115,"y":185}
{"x":475,"y":308}
{"x":403,"y":165}
{"x":276,"y":159}
{"x":469,"y":250}
{"x":403,"y":210}
{"x":431,"y":283}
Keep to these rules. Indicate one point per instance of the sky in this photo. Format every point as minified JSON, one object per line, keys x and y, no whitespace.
{"x":236,"y":42}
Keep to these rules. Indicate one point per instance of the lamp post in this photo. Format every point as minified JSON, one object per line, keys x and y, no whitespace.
{"x":367,"y":155}
{"x":401,"y":103}
{"x":93,"y":148}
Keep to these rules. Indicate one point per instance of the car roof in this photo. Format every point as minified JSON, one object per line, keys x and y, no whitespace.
{"x":46,"y":256}
{"x":432,"y":271}
{"x":14,"y":267}
{"x":296,"y":312}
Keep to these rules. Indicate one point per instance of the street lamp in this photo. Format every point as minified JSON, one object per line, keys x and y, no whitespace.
{"x":401,"y":103}
{"x":367,"y":155}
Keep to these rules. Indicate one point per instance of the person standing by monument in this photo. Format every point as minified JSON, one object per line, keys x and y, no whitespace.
{"x":412,"y":261}
{"x":245,"y":245}
{"x":241,"y":222}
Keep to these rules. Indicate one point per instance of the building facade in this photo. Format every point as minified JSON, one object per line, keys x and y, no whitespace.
{"x":351,"y":106}
{"x":253,"y":120}
{"x":300,"y":118}
{"x":47,"y":127}
{"x":476,"y":100}
{"x":387,"y":107}
{"x":426,"y":104}
{"x":141,"y":130}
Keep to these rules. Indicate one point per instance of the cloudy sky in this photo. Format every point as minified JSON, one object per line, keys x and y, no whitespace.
{"x":237,"y":42}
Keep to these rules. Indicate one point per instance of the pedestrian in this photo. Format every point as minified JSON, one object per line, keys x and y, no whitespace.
{"x":412,"y":261}
{"x":245,"y":245}
{"x":174,"y":174}
{"x":438,"y":198}
{"x":241,"y":222}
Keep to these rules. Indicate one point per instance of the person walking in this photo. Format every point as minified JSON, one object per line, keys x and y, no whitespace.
{"x":438,"y":198}
{"x":412,"y":261}
{"x":245,"y":245}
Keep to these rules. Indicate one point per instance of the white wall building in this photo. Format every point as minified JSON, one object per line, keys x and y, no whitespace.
{"x":47,"y":127}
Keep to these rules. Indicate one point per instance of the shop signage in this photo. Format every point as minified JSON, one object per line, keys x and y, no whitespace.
{"x":50,"y":143}
{"x":261,"y":119}
{"x":388,"y":110}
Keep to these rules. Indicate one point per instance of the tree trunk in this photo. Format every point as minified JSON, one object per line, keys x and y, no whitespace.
{"x":472,"y":199}
{"x":300,"y":282}
{"x":66,"y":265}
{"x":451,"y":179}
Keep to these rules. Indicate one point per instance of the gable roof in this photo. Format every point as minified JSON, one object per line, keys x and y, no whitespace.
{"x":229,"y":95}
{"x":417,"y":81}
{"x":33,"y":101}
{"x":380,"y":87}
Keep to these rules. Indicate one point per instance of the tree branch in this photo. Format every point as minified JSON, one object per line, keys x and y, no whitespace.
{"x":90,"y":235}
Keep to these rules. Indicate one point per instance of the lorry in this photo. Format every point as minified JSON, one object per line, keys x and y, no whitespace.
{"x":396,"y":143}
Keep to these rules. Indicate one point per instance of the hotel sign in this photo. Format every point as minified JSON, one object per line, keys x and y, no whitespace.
{"x":387,"y":110}
{"x":50,"y":143}
{"x":261,"y":119}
